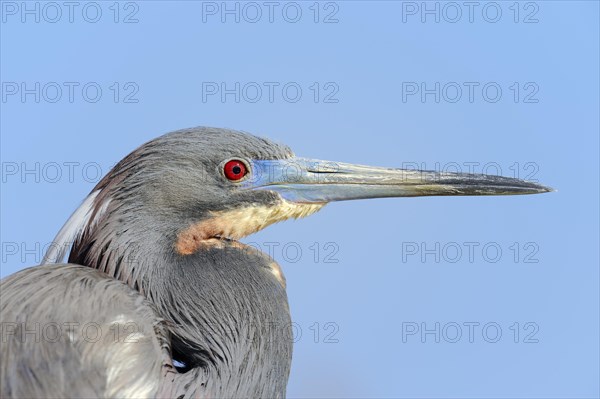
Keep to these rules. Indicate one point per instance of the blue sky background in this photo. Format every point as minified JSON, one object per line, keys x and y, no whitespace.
{"x":387,"y":285}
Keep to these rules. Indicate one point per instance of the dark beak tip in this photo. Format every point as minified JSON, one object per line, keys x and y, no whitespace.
{"x":545,"y":189}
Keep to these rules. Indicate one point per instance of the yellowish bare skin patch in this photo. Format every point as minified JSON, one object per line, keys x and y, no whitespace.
{"x":238,"y":223}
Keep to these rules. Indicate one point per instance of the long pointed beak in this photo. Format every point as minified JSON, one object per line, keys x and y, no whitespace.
{"x":313,"y":181}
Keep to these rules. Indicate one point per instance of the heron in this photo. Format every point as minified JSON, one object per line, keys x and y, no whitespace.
{"x":159,"y":297}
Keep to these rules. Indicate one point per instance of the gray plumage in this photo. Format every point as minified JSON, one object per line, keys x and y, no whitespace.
{"x":70,"y":331}
{"x":154,"y":247}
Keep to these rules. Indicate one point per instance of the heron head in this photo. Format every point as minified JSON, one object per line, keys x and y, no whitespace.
{"x":204,"y":185}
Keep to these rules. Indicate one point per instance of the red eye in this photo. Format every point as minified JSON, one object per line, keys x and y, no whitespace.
{"x":235,"y":170}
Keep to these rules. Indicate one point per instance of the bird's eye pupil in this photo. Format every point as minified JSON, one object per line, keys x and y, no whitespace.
{"x":235,"y":170}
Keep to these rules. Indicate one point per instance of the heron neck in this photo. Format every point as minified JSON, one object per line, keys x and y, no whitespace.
{"x":231,"y":317}
{"x":226,"y":303}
